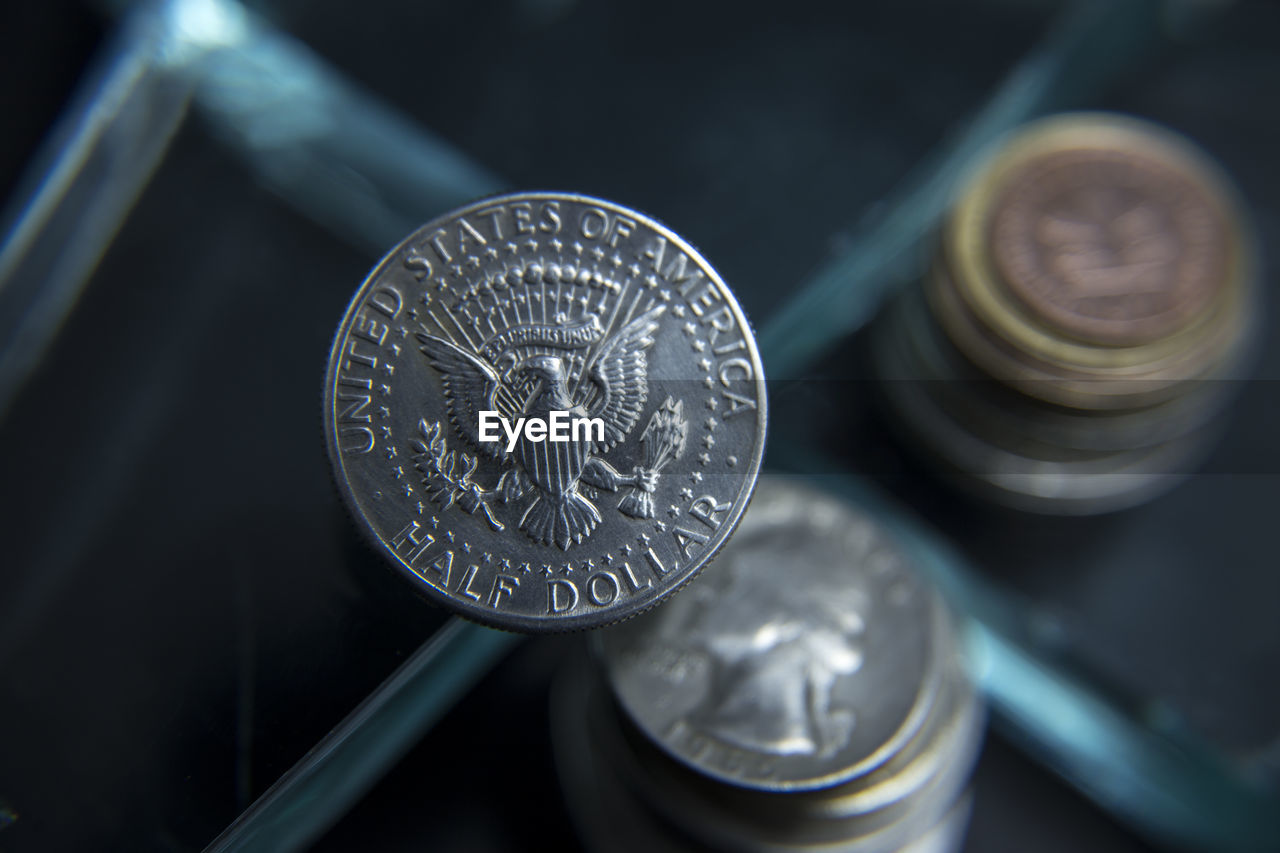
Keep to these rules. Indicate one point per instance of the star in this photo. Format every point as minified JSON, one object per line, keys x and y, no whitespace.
{"x":616,"y":259}
{"x":421,"y":508}
{"x":643,"y":539}
{"x":384,"y":390}
{"x":408,"y":490}
{"x":660,"y":526}
{"x":634,"y":269}
{"x":506,"y":563}
{"x":651,"y":281}
{"x":696,"y":476}
{"x":413,"y":313}
{"x":698,"y":346}
{"x":597,"y":253}
{"x":473,"y":261}
{"x":665,"y":296}
{"x":435,"y":522}
{"x":703,"y":458}
{"x":608,"y":559}
{"x":486,"y":557}
{"x":395,"y":348}
{"x":398,"y":471}
{"x":712,"y":404}
{"x":525,"y":567}
{"x":448,"y":534}
{"x":546,"y":570}
{"x":686,"y":493}
{"x":708,"y":442}
{"x":466,"y":547}
{"x":566,"y":569}
{"x":491,"y":253}
{"x":626,"y":549}
{"x":577,"y":247}
{"x":677,"y":310}
{"x":673,"y":511}
{"x":532,"y":244}
{"x":512,"y":248}
{"x":588,"y":566}
{"x":712,"y":423}
{"x":386,"y":431}
{"x":704,"y":363}
{"x":456,"y":269}
{"x":557,"y":245}
{"x":690,"y":329}
{"x":709,"y":382}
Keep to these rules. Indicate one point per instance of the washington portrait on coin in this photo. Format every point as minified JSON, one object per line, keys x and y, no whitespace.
{"x":796,"y":662}
{"x":548,"y":410}
{"x":775,"y":651}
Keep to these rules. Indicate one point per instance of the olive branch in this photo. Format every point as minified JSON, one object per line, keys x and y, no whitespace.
{"x":446,"y":474}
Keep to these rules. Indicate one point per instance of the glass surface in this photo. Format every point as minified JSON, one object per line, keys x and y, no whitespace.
{"x":188,"y":613}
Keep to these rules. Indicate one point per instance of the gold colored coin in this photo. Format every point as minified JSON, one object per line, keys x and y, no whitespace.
{"x":1099,"y":243}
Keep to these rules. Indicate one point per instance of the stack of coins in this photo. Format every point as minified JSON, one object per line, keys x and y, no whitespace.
{"x":806,"y":692}
{"x":1069,"y":350}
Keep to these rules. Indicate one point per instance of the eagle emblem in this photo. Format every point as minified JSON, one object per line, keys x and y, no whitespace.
{"x":529,"y":371}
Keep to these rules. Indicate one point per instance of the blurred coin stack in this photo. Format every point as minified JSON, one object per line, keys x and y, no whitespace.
{"x":1072,"y":347}
{"x":806,"y":692}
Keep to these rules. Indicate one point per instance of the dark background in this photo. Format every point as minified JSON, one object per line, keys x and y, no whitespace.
{"x":184,"y":606}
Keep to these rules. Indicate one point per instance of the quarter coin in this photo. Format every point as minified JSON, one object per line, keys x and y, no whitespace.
{"x":805,"y":656}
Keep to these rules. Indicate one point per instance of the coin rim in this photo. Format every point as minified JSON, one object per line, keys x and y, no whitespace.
{"x":591,"y":618}
{"x":1070,"y":385}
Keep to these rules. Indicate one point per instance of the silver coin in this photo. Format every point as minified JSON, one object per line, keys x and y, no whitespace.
{"x":1058,"y":481}
{"x":878,"y":815}
{"x":801,"y":659}
{"x":548,"y":411}
{"x":718,"y":816}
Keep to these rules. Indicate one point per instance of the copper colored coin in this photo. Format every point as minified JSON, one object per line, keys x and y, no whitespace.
{"x":1091,"y":389}
{"x":1116,"y":246}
